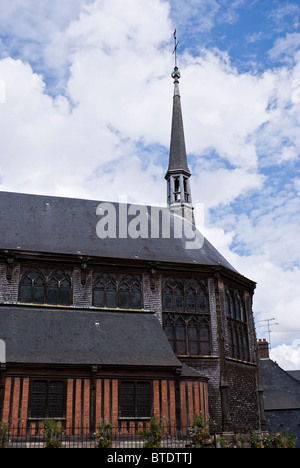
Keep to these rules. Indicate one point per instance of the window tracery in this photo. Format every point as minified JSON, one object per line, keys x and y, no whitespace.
{"x":112,"y":290}
{"x":186,"y":318}
{"x":45,"y":286}
{"x":238,"y":343}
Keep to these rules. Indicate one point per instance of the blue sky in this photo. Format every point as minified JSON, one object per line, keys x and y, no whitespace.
{"x":85,"y":109}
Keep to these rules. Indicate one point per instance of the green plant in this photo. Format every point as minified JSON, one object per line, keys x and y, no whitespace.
{"x":256,"y":440}
{"x":221,"y":442}
{"x":4,"y":433}
{"x":242,"y":441}
{"x":52,"y":430}
{"x":154,"y":435}
{"x":280,"y":440}
{"x":104,"y":434}
{"x":268,"y":441}
{"x":199,"y":433}
{"x":290,"y":439}
{"x":284,"y":440}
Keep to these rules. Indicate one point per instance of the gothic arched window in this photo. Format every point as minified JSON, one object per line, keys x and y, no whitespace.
{"x":105,"y":291}
{"x":186,"y":317}
{"x":45,"y":286}
{"x":238,"y":344}
{"x":113,"y":291}
{"x":33,"y":286}
{"x":59,"y":288}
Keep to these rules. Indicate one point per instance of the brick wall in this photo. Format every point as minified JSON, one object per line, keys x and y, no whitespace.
{"x":193,"y":400}
{"x":243,"y":400}
{"x":15,"y":406}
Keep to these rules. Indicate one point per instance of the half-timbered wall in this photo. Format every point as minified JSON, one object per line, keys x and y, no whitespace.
{"x":79,"y":404}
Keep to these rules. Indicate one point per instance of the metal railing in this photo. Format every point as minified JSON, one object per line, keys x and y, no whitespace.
{"x":83,"y":438}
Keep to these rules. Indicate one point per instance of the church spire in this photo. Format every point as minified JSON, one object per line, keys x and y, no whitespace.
{"x":178,"y":174}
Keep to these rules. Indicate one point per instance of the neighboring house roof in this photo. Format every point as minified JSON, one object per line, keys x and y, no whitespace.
{"x":53,"y":225}
{"x":280,"y":390}
{"x":295,"y":374}
{"x":36,"y":335}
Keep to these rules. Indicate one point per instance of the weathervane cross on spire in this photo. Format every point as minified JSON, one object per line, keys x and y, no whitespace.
{"x":175,"y":50}
{"x":176,"y":73}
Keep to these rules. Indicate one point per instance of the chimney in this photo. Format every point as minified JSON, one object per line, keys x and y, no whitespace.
{"x":263,"y":349}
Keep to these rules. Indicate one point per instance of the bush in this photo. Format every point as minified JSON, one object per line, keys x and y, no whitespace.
{"x":199,"y":433}
{"x":52,"y":430}
{"x":279,"y":440}
{"x":4,"y":433}
{"x":104,"y":434}
{"x":154,"y":435}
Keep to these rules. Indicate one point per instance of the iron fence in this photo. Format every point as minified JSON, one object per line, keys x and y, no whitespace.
{"x":83,"y":438}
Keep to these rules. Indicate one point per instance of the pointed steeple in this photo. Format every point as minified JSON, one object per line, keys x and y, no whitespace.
{"x":178,"y":173}
{"x":177,"y":158}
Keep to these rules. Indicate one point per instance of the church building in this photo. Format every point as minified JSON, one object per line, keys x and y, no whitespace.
{"x":109,"y":311}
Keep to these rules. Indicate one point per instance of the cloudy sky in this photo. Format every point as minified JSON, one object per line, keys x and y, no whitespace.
{"x":85,"y":112}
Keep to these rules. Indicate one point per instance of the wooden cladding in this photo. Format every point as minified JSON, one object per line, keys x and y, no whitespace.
{"x":87,"y":401}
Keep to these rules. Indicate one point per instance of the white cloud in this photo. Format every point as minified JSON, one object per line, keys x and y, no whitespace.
{"x":230,"y":183}
{"x":50,"y":146}
{"x":33,"y":30}
{"x":286,"y":49}
{"x":285,"y":16}
{"x":121,"y":89}
{"x":225,"y":108}
{"x":287,"y":356}
{"x":297,"y":186}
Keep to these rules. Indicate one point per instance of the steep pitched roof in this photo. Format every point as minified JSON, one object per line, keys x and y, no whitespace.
{"x":57,"y":336}
{"x":67,"y":226}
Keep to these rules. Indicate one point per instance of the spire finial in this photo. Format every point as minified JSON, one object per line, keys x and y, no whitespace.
{"x":176,"y":45}
{"x":176,"y":73}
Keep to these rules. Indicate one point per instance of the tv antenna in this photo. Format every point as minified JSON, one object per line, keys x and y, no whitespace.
{"x":269,"y":325}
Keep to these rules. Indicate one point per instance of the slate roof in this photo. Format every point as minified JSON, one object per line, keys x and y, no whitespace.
{"x":54,"y":225}
{"x":177,"y":157}
{"x":82,"y":337}
{"x":280,"y":390}
{"x":295,"y":374}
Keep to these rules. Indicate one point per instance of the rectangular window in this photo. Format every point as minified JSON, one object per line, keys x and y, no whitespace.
{"x":47,"y":399}
{"x":135,"y":400}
